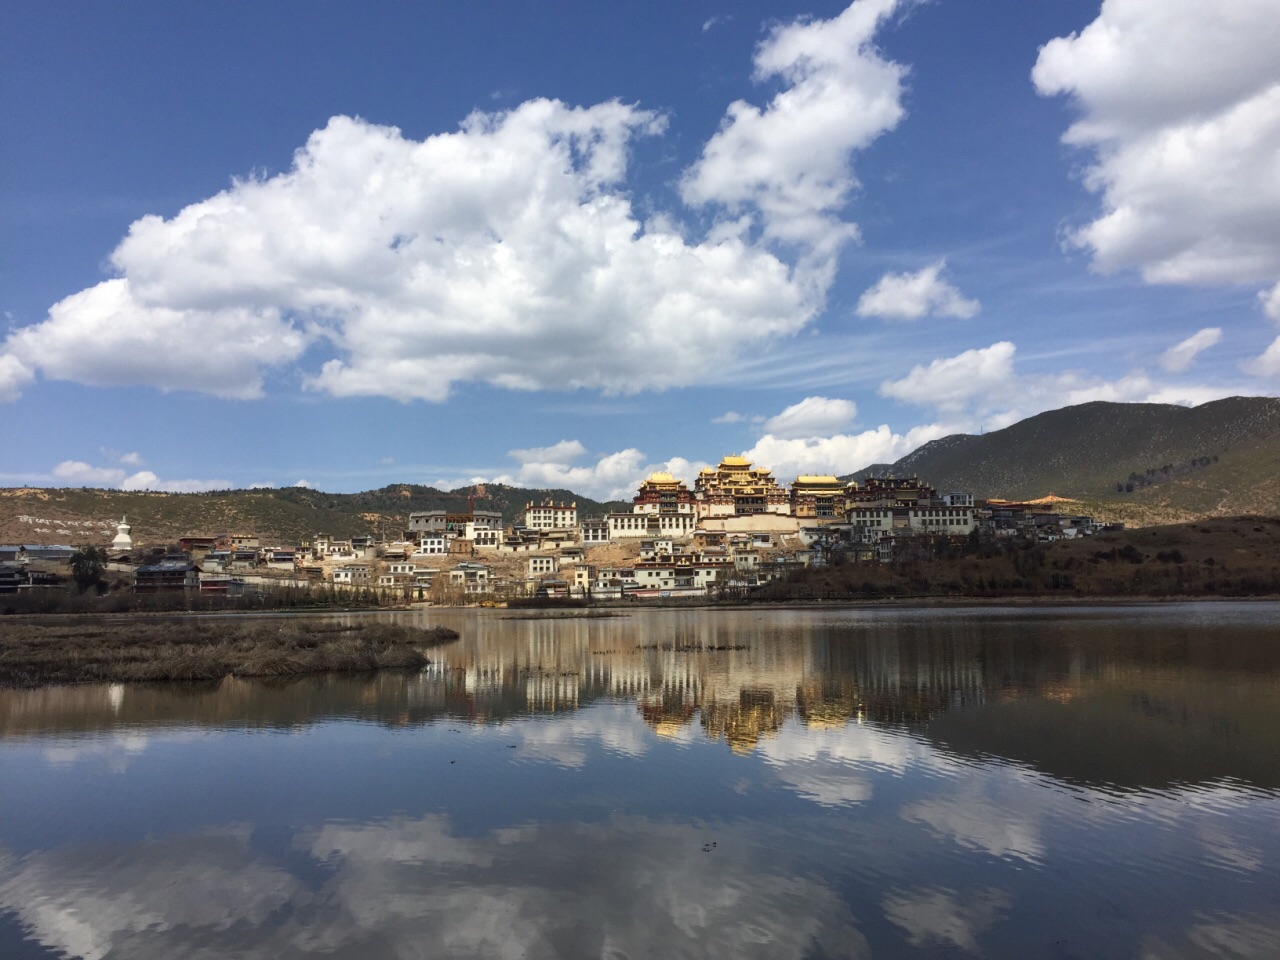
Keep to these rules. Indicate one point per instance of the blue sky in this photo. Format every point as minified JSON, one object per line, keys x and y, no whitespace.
{"x":565,"y":244}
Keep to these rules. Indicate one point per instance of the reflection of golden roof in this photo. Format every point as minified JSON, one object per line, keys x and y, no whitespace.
{"x":825,"y":723}
{"x":668,"y":728}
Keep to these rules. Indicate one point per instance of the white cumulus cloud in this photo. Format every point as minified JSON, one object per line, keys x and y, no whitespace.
{"x":1179,"y":102}
{"x":812,"y":417}
{"x":14,"y":376}
{"x":77,"y":473}
{"x":948,"y":383}
{"x":506,"y":252}
{"x":107,"y":336}
{"x":1267,"y":364}
{"x":1180,"y":356}
{"x":909,"y":296}
{"x":839,"y":454}
{"x":613,"y":476}
{"x":1270,"y":300}
{"x":790,"y":161}
{"x":982,"y":388}
{"x":566,"y":451}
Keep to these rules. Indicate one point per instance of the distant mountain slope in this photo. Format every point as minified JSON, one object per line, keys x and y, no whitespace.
{"x":1221,"y":456}
{"x":277,"y":515}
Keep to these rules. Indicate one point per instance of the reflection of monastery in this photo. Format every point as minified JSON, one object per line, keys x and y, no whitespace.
{"x":741,"y":681}
{"x":1093,"y":708}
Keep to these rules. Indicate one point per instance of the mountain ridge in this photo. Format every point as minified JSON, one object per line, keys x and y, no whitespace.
{"x":1216,"y":457}
{"x":287,"y":515}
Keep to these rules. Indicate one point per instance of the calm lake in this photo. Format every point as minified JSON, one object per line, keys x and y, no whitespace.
{"x":995,"y":782}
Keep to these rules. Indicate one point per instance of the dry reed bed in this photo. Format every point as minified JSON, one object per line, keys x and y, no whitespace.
{"x":36,"y":654}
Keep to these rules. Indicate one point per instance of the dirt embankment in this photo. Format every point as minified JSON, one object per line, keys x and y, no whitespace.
{"x":34,"y":654}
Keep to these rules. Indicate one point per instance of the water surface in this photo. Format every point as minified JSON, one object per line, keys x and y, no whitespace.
{"x":1004,"y":782}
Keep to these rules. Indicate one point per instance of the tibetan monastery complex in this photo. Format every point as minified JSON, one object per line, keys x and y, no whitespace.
{"x":735,"y":530}
{"x":736,"y":496}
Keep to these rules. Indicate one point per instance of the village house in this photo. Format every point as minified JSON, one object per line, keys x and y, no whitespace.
{"x":550,"y":515}
{"x":12,"y":576}
{"x":167,"y":576}
{"x":281,"y":559}
{"x":397,"y":550}
{"x":483,"y":538}
{"x":197,"y":547}
{"x":422,"y":580}
{"x":540,"y":565}
{"x":244,"y":559}
{"x":583,"y":575}
{"x":442,"y":521}
{"x":593,"y":530}
{"x":216,"y":561}
{"x":353,"y":575}
{"x":471,"y":577}
{"x":433,"y":545}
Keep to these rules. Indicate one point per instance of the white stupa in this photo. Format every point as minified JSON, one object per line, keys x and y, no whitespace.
{"x":123,"y":543}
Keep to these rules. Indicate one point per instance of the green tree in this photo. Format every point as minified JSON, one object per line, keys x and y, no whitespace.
{"x":87,"y":565}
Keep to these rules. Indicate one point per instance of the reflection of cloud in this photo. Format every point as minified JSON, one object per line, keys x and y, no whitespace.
{"x":967,"y":818}
{"x":400,"y":841}
{"x":627,"y":887}
{"x":831,"y":766}
{"x":825,"y":785}
{"x":565,"y":739}
{"x":1225,"y":851}
{"x":89,"y":903}
{"x":945,"y":916}
{"x":1237,"y":936}
{"x":117,"y":746}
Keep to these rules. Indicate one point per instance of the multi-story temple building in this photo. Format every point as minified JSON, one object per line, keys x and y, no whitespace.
{"x":898,"y":491}
{"x":735,"y":488}
{"x":819,"y":497}
{"x":664,"y":507}
{"x":662,"y":493}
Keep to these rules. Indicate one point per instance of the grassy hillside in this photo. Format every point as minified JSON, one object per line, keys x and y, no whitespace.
{"x":1160,"y":459}
{"x":286,"y":515}
{"x":1222,"y":557}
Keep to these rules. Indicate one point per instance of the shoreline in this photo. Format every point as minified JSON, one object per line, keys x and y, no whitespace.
{"x":622,"y":607}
